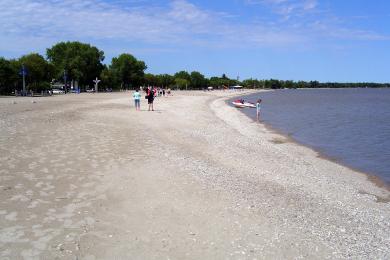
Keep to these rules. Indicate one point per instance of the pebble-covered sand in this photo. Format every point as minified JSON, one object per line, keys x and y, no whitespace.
{"x":88,"y":177}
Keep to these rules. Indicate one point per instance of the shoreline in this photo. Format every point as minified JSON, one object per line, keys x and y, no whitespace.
{"x":370,"y":177}
{"x":377,"y":180}
{"x":279,"y":138}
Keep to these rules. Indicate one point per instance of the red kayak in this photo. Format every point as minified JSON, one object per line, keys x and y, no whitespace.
{"x":242,"y":103}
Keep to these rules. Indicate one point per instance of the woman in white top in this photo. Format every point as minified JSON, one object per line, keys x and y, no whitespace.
{"x":137,"y":99}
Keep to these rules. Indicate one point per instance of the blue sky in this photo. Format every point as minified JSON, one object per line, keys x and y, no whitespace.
{"x":325,"y":40}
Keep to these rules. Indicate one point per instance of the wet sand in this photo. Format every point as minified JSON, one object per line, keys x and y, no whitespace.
{"x":88,"y":177}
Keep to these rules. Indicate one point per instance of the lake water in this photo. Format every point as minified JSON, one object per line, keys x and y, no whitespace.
{"x":351,"y":126}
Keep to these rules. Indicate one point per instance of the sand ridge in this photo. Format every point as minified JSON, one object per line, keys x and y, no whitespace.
{"x":87,"y":177}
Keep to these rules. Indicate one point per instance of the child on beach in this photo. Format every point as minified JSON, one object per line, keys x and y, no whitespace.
{"x":258,"y":108}
{"x":137,"y":100}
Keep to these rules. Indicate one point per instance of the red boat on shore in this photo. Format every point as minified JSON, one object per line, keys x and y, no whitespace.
{"x":242,"y":103}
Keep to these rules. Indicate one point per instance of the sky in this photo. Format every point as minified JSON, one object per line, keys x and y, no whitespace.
{"x":324,"y":40}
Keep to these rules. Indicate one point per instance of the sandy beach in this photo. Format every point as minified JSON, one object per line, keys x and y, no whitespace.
{"x":88,"y":177}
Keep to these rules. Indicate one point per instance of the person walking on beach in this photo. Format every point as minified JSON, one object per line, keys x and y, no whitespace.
{"x":150,"y":97}
{"x":137,"y":100}
{"x":258,"y":108}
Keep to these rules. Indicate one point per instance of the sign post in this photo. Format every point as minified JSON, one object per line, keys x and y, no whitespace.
{"x":23,"y":72}
{"x":65,"y":76}
{"x":96,"y":81}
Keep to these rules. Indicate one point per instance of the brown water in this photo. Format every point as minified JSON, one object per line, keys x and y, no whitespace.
{"x":350,"y":125}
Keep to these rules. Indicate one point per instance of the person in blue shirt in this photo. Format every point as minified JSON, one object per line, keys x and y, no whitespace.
{"x":137,"y":100}
{"x":258,"y":108}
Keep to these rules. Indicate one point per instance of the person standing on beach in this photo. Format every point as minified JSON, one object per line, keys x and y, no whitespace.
{"x":137,"y":100}
{"x":258,"y":108}
{"x":155,"y":92}
{"x":150,"y":98}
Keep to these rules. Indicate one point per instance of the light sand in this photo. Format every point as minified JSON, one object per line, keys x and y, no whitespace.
{"x":87,"y":177}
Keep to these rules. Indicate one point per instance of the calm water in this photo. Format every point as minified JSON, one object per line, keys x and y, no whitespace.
{"x":349,"y":125}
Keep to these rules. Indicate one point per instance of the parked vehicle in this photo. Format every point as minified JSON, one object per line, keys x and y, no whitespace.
{"x":57,"y":91}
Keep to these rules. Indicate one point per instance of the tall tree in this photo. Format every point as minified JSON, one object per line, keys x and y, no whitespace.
{"x":150,"y":80}
{"x":165,"y":80}
{"x":181,"y":83}
{"x":182,"y":75}
{"x":273,"y":83}
{"x":39,"y":71}
{"x":252,"y":83}
{"x":198,"y":81}
{"x":8,"y":76}
{"x":80,"y":61}
{"x":128,"y":70}
{"x":108,"y":79}
{"x":222,"y":82}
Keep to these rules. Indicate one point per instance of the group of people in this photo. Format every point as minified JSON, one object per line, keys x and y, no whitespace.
{"x":151,"y":94}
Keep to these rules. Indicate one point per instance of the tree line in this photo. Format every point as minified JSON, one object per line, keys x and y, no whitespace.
{"x":76,"y":63}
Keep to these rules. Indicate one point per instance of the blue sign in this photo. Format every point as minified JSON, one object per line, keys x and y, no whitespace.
{"x":23,"y":71}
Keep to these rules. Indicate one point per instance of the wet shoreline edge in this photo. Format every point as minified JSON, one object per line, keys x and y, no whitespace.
{"x":373,"y":178}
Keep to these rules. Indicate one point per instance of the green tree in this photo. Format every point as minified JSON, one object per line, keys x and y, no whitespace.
{"x":150,"y":80}
{"x":273,"y":84}
{"x":251,"y":83}
{"x":288,"y":84}
{"x":128,"y":70}
{"x":165,"y":80}
{"x":108,"y":79}
{"x":198,"y":81}
{"x":314,"y":84}
{"x":182,"y":75}
{"x":82,"y":62}
{"x":215,"y":82}
{"x":39,"y":71}
{"x":8,"y":76}
{"x":182,"y":79}
{"x":222,"y":82}
{"x":181,"y":83}
{"x":302,"y":84}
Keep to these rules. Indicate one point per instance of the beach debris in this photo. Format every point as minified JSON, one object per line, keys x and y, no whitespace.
{"x":14,"y":102}
{"x":60,"y":247}
{"x":61,"y":198}
{"x":33,"y":101}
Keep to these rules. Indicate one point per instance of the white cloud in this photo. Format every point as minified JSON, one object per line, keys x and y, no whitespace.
{"x":186,"y":12}
{"x":87,"y":19}
{"x":179,"y":22}
{"x":310,"y":4}
{"x":305,"y":17}
{"x":288,"y":7}
{"x":41,"y":23}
